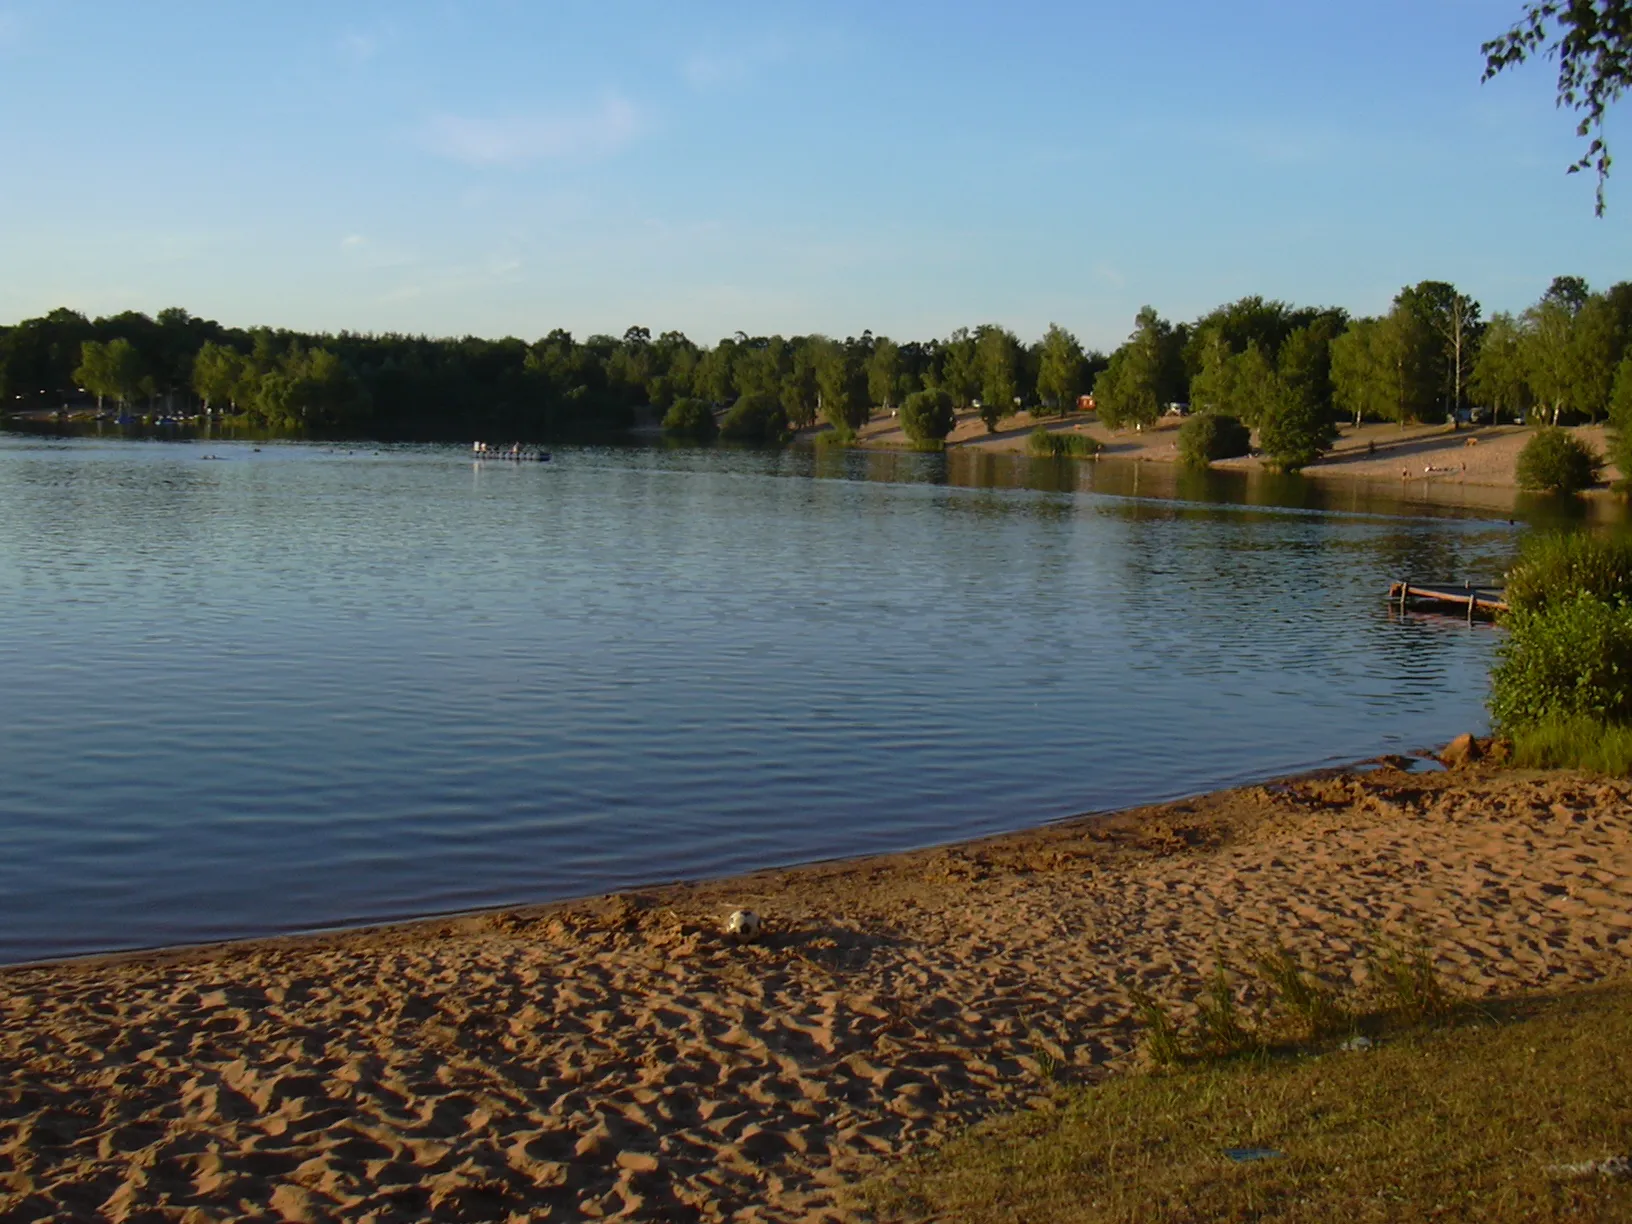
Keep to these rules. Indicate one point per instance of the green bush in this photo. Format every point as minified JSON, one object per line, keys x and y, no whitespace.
{"x":1051,"y":445}
{"x":1556,"y":462}
{"x":1571,"y":657}
{"x":691,"y":418}
{"x":1562,"y":565}
{"x":928,"y":416}
{"x":1293,"y":430}
{"x":1212,"y":435}
{"x":755,"y":417}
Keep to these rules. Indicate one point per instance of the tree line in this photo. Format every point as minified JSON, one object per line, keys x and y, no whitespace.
{"x":1288,"y":372}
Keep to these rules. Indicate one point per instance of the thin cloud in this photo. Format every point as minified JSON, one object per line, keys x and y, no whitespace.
{"x":710,"y":70}
{"x":360,"y":44}
{"x":518,"y":139}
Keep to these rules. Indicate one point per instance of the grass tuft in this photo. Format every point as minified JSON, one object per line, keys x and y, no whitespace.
{"x":1578,"y":742}
{"x":1312,"y":1006}
{"x":1222,"y":1032}
{"x":1161,"y":1036}
{"x":1410,"y":985}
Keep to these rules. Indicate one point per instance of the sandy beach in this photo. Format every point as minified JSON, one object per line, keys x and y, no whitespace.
{"x":618,"y":1057}
{"x":1424,"y":462}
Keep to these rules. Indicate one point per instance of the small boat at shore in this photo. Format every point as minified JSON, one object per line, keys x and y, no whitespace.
{"x":1467,"y":599}
{"x":514,"y":454}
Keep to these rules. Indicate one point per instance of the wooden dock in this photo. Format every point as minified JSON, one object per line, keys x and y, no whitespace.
{"x":1472,"y":601}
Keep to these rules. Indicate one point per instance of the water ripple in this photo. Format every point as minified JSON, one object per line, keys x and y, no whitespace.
{"x":300,"y":688}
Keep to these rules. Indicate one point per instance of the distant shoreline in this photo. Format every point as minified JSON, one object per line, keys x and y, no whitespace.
{"x":1429,"y":463}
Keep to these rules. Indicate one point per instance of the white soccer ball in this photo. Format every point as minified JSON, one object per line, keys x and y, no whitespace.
{"x":744,"y":926}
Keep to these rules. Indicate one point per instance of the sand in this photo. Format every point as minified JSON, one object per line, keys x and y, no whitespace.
{"x":1425,"y":459}
{"x":619,"y":1058}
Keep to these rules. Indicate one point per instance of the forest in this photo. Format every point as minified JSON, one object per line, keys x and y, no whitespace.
{"x":1288,"y":372}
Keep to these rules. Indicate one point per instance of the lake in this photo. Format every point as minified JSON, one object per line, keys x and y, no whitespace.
{"x":303,"y":686}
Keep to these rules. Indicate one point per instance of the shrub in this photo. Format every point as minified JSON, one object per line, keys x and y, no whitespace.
{"x":1573,"y":656}
{"x":755,"y":417}
{"x":691,"y":418}
{"x":928,"y":416}
{"x":1556,"y":462}
{"x":1212,"y":435}
{"x":1161,"y":1033}
{"x":1062,"y":445}
{"x":1562,"y":565}
{"x":1293,"y":429}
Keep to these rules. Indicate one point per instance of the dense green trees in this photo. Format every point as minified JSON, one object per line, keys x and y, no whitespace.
{"x":1062,"y":369}
{"x":755,"y":417}
{"x":1144,"y":374}
{"x":1293,"y":370}
{"x":691,"y":418}
{"x":112,"y":370}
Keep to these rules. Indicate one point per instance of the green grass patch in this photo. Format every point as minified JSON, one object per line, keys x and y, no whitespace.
{"x":1050,"y":445}
{"x":1578,"y":742}
{"x":1465,"y":1122}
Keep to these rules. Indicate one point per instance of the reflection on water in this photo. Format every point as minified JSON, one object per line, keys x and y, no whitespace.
{"x":312,"y":685}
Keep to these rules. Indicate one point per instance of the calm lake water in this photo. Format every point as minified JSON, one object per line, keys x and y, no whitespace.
{"x":303,"y":687}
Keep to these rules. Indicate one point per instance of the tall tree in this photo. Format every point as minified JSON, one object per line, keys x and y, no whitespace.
{"x":841,"y":381}
{"x":1145,"y":373}
{"x":884,"y":373}
{"x":1454,"y":318}
{"x":959,"y":374}
{"x":1060,"y":369}
{"x":1499,"y":375}
{"x":1548,"y":343}
{"x":1305,"y":360}
{"x":1597,"y":341}
{"x":94,"y":372}
{"x":997,"y":359}
{"x":1410,"y":355}
{"x":218,"y":374}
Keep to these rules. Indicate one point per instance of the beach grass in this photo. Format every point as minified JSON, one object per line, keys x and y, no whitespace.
{"x":1475,"y":1118}
{"x":1578,"y":742}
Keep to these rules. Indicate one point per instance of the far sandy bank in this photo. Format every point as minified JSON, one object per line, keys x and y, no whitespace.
{"x":1423,"y":462}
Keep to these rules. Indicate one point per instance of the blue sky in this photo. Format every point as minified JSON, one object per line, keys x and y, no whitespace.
{"x":507,"y":167}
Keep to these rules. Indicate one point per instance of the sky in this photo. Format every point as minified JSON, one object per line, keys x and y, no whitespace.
{"x":510,"y":167}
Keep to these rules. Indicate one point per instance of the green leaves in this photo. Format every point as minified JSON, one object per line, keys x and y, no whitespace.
{"x":1592,"y":41}
{"x":1207,"y":436}
{"x":927,"y":416}
{"x":691,"y":418}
